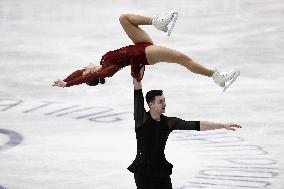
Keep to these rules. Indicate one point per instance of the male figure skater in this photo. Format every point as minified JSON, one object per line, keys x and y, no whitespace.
{"x":150,"y":167}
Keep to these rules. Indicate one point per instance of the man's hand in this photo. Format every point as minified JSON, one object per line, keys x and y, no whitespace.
{"x":59,"y":83}
{"x":138,"y":85}
{"x":206,"y":125}
{"x":142,"y":70}
{"x":231,"y":126}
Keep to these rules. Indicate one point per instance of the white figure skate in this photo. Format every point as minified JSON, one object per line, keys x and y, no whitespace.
{"x":161,"y":23}
{"x":225,"y":80}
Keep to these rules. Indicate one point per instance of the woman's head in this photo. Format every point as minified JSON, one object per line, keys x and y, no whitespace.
{"x":96,"y":82}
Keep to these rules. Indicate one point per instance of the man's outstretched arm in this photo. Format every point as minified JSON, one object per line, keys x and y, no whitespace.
{"x":206,"y":125}
{"x":180,"y":124}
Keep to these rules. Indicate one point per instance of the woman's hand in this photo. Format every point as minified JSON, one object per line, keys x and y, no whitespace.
{"x":59,"y":83}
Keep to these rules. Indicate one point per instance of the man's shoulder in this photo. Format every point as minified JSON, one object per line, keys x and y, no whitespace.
{"x":170,"y":118}
{"x":164,"y":117}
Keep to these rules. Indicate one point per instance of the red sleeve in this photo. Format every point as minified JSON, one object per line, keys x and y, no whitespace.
{"x":102,"y":73}
{"x":135,"y":71}
{"x":74,"y":75}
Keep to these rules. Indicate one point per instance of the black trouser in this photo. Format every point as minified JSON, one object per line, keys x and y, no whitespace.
{"x":152,"y":183}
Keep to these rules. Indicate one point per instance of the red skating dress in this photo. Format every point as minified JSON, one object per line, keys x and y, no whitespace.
{"x":112,"y":62}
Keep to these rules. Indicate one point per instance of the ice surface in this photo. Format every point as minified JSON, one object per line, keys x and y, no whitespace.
{"x":83,"y":137}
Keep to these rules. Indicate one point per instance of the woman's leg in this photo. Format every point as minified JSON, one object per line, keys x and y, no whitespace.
{"x":156,"y":54}
{"x":130,"y":23}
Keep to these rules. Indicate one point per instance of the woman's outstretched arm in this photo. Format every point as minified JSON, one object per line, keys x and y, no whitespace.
{"x":83,"y":78}
{"x":74,"y":75}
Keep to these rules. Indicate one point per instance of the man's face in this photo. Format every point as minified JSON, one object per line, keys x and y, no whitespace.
{"x":159,"y":104}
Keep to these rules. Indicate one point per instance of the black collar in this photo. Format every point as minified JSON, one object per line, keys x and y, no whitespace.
{"x":162,"y":117}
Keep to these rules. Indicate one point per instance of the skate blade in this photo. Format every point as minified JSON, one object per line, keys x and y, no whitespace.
{"x":174,"y":19}
{"x":234,"y":78}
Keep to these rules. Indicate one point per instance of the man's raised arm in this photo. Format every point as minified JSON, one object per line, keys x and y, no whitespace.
{"x":137,"y":85}
{"x":139,"y":110}
{"x":206,"y":125}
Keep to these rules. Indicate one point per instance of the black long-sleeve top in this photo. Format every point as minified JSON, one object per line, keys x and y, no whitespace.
{"x":151,"y":138}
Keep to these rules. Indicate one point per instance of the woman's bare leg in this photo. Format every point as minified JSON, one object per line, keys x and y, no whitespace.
{"x":156,"y":54}
{"x":130,"y":23}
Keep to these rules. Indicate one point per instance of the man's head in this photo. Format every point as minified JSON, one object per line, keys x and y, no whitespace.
{"x":156,"y":101}
{"x":96,"y":82}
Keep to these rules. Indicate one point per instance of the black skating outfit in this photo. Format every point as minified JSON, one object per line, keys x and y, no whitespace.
{"x":150,"y":167}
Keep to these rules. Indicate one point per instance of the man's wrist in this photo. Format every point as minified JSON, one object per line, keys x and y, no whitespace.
{"x":222,"y":126}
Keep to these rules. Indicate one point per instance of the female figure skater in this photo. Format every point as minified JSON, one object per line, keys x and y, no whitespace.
{"x":142,"y":53}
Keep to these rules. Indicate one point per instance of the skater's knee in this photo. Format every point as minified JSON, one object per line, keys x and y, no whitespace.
{"x":123,"y":18}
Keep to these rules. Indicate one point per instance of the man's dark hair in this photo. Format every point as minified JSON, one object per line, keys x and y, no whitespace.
{"x":96,"y":82}
{"x":150,"y":96}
